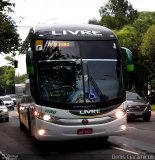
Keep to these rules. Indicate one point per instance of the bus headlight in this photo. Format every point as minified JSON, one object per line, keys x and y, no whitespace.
{"x":123,"y":127}
{"x":44,"y":117}
{"x":119,"y":114}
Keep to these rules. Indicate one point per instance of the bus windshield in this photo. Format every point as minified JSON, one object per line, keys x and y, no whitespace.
{"x":78,"y":71}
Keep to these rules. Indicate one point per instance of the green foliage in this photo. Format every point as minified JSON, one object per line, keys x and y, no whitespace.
{"x":127,"y":37}
{"x":7,"y":78}
{"x":94,"y":21}
{"x":148,"y":51}
{"x":153,"y":107}
{"x":144,"y":21}
{"x":9,"y":38}
{"x":21,"y":79}
{"x":117,"y":13}
{"x":10,"y":60}
{"x":6,"y":6}
{"x":148,"y":44}
{"x":136,"y":38}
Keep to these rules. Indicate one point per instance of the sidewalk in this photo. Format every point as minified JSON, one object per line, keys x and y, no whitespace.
{"x":153,"y":112}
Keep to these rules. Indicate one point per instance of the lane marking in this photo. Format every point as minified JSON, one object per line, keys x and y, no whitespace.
{"x":121,"y":149}
{"x":3,"y":156}
{"x":132,"y":127}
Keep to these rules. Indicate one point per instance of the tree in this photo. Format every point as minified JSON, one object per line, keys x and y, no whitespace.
{"x":21,"y":78}
{"x":131,"y":36}
{"x":117,"y":13}
{"x":7,"y":79}
{"x":148,"y":50}
{"x":94,"y":21}
{"x":148,"y":44}
{"x":144,"y":21}
{"x":127,"y":37}
{"x":10,"y":60}
{"x":6,"y":6}
{"x":9,"y":38}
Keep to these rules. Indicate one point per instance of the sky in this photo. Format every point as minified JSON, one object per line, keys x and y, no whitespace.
{"x":28,"y":13}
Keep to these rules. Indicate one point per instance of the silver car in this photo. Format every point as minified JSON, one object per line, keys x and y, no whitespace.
{"x":8,"y":102}
{"x":4,"y":114}
{"x":137,"y":107}
{"x":13,"y":97}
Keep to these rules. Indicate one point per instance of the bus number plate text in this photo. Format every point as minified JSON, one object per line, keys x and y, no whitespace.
{"x":85,"y":131}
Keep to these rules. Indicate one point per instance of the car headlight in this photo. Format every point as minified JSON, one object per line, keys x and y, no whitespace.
{"x":128,"y":106}
{"x":148,"y":107}
{"x":5,"y":110}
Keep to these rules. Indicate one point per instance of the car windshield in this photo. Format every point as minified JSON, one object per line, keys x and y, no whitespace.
{"x":1,"y":102}
{"x":6,"y":98}
{"x":12,"y":96}
{"x":132,"y":96}
{"x":65,"y":77}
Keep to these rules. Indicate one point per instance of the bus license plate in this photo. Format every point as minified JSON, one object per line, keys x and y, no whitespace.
{"x":85,"y":131}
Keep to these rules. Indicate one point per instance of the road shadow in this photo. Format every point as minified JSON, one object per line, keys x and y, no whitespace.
{"x":80,"y":145}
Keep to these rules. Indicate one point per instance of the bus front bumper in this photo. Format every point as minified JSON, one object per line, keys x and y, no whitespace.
{"x":46,"y":131}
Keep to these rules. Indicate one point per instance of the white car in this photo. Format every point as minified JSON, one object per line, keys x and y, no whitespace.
{"x":13,"y":97}
{"x":4,"y":114}
{"x":8,"y":102}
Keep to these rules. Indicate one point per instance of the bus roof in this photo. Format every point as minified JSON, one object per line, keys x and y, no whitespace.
{"x":72,"y":32}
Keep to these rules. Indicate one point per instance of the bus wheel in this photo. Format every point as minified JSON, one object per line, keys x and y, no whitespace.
{"x":7,"y":119}
{"x":22,"y":127}
{"x":29,"y":122}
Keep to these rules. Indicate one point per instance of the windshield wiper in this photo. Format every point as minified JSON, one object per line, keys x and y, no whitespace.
{"x":97,"y":89}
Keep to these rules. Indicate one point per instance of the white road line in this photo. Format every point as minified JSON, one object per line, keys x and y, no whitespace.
{"x":125,"y":150}
{"x":132,"y":127}
{"x":3,"y":156}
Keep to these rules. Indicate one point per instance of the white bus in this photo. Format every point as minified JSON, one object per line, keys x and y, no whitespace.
{"x":76,"y":83}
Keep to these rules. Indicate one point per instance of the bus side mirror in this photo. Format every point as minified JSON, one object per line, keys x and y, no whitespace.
{"x":130,"y":67}
{"x":128,"y":59}
{"x":29,"y":63}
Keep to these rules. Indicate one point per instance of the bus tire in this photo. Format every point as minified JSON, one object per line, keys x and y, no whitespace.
{"x":21,"y":125}
{"x":29,"y":122}
{"x":7,"y":119}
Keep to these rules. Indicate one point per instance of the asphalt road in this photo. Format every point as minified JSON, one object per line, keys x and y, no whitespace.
{"x":138,"y":143}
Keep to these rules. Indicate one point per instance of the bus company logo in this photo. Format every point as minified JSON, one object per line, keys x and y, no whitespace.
{"x":50,"y":111}
{"x":77,"y":33}
{"x":85,"y":121}
{"x":90,"y":112}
